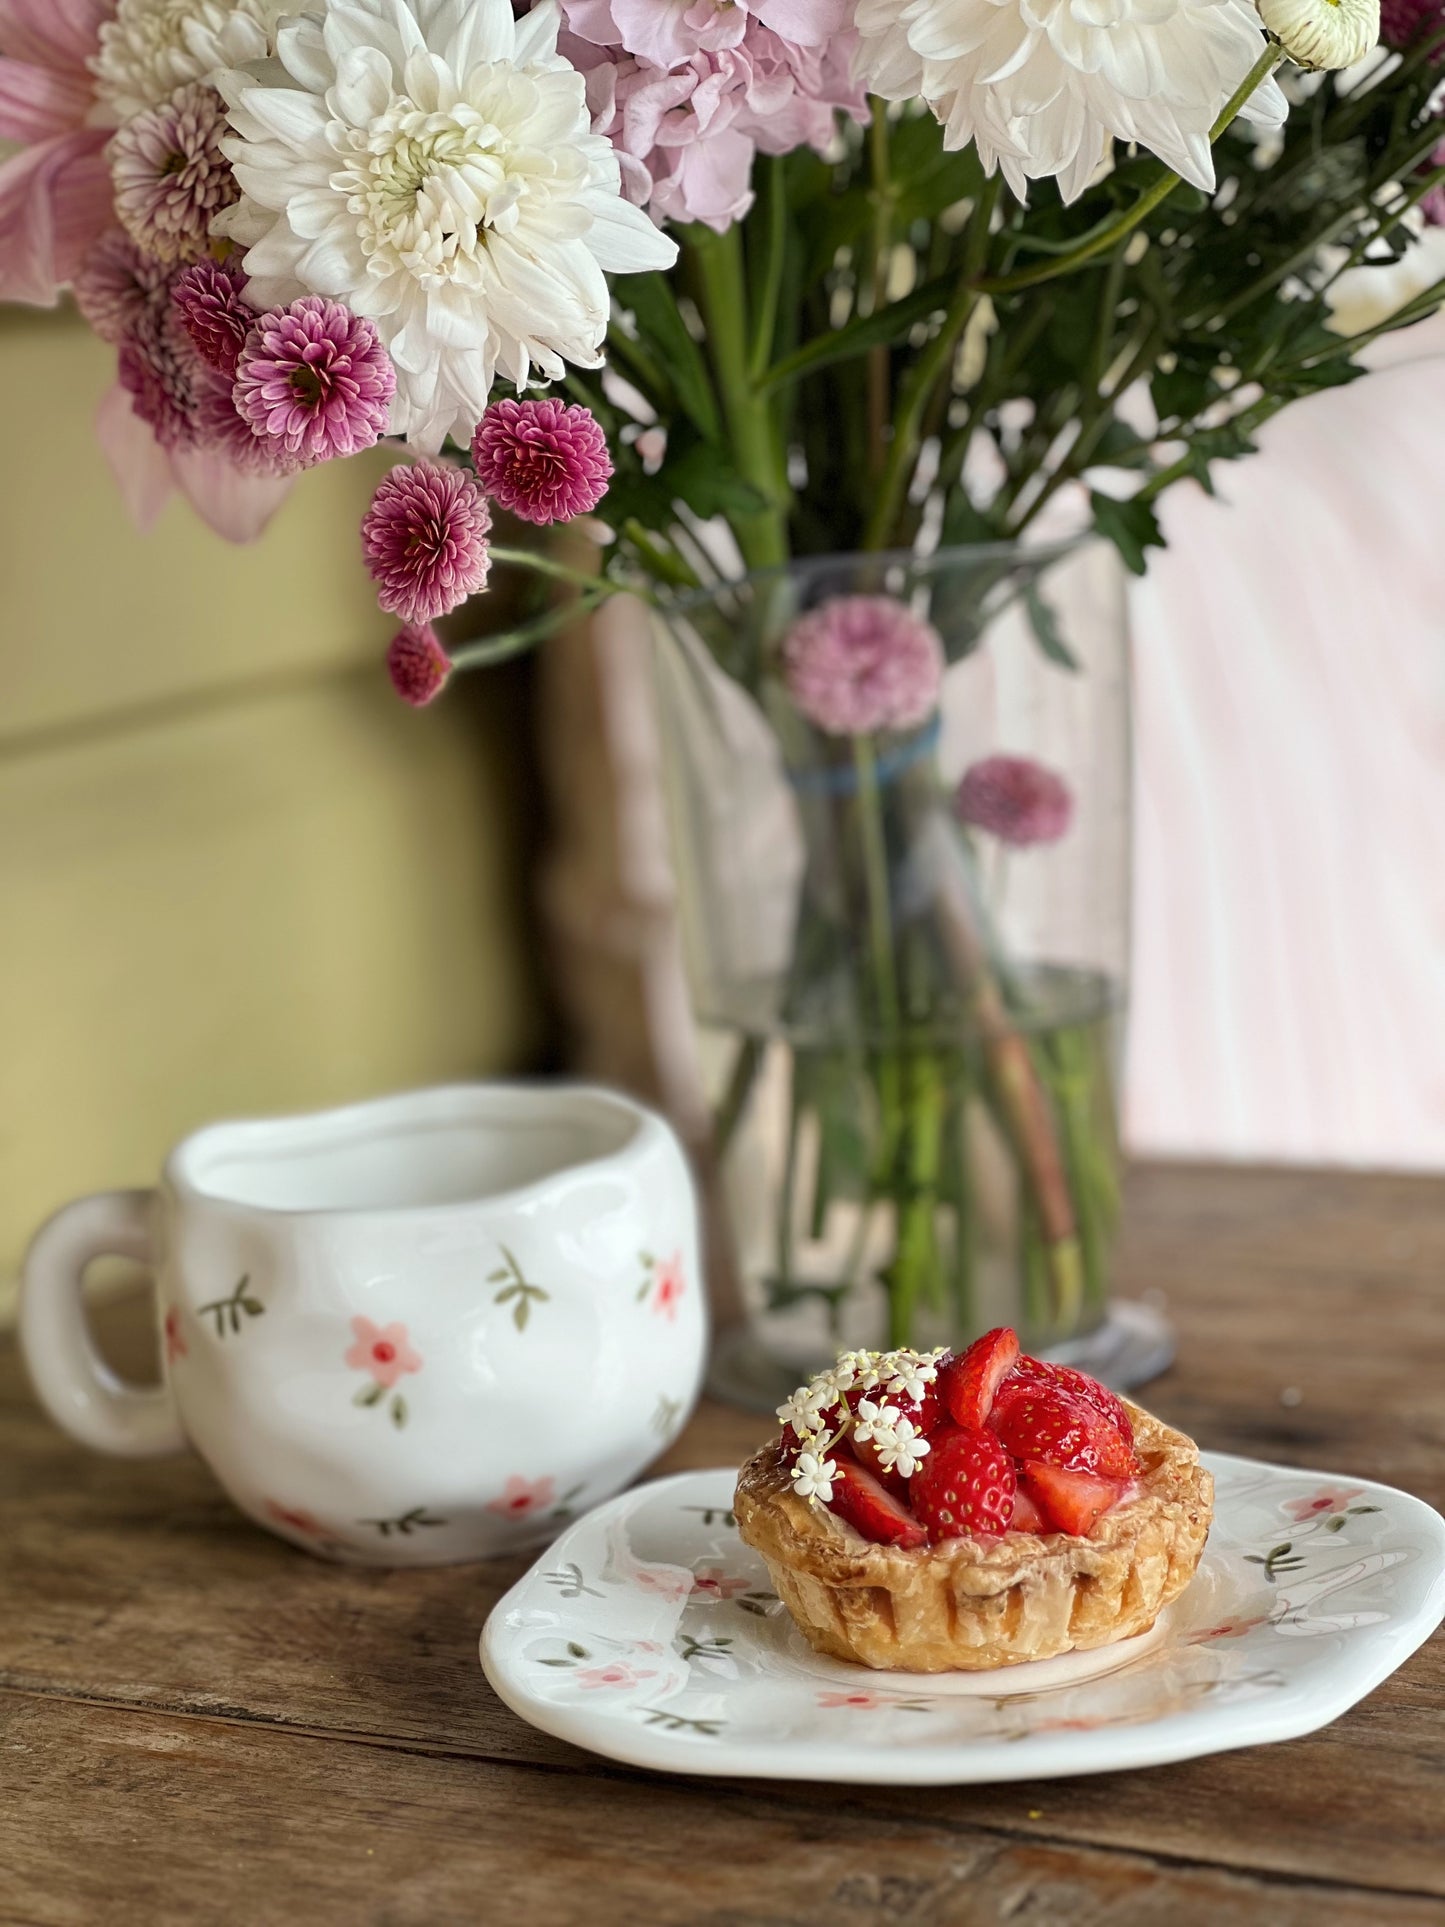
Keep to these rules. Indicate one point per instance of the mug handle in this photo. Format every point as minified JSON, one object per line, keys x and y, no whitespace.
{"x":74,"y":1383}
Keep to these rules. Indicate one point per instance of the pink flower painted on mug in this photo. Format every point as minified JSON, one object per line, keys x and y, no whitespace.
{"x":665,"y":1285}
{"x":1330,"y":1498}
{"x":861,"y":1702}
{"x":522,"y":1497}
{"x":385,"y":1354}
{"x":175,"y":1338}
{"x":618,"y":1677}
{"x":295,"y":1519}
{"x":383,"y":1351}
{"x":714,"y":1583}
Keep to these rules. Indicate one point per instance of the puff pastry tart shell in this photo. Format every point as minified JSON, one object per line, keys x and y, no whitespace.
{"x":973,"y":1603}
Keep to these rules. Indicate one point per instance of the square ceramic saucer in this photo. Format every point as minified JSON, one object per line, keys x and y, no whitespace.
{"x":650,"y":1633}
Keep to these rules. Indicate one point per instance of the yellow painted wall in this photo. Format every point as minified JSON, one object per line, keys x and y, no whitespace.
{"x":236,"y":874}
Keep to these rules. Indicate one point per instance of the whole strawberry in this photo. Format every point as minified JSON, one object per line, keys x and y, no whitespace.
{"x":1042,"y":1421}
{"x":966,"y":1484}
{"x":1068,"y":1379}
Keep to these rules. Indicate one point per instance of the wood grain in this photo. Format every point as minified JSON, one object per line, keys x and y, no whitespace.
{"x":251,"y":1713}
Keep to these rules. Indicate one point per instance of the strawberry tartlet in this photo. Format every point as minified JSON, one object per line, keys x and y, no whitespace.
{"x":931,"y":1512}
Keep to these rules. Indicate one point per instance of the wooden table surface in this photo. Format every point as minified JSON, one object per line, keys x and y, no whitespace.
{"x":198,"y":1724}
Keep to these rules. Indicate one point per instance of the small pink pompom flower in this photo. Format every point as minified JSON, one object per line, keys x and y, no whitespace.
{"x":315,"y":378}
{"x":545,"y":460}
{"x":1015,"y":799}
{"x":218,"y":426}
{"x":418,"y":665}
{"x":170,"y":174}
{"x":861,"y":663}
{"x":209,"y":297}
{"x":425,"y":540}
{"x":158,"y":369}
{"x":116,"y":284}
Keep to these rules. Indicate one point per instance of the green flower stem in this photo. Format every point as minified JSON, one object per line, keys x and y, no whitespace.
{"x":1109,"y":233}
{"x":487,"y":653}
{"x":934,"y":365}
{"x":762,"y":533}
{"x":914,"y":1272}
{"x":957,"y":1190}
{"x":775,"y":261}
{"x":541,"y":564}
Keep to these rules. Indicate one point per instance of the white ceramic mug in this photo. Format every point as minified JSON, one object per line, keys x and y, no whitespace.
{"x":424,"y":1329}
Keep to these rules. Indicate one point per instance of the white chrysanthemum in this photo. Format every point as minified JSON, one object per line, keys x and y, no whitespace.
{"x":1323,"y":34}
{"x":152,"y":47}
{"x":1044,"y":86}
{"x":813,"y":1477}
{"x":431,"y":164}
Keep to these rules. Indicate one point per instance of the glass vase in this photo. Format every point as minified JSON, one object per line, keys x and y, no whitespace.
{"x":907,"y":945}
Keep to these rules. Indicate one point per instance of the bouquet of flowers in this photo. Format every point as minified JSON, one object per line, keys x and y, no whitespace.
{"x":797,"y":277}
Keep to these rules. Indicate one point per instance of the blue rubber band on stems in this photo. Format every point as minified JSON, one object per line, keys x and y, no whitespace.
{"x":843,"y":780}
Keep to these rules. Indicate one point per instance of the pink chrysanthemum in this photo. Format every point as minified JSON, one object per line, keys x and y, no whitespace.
{"x":115,"y":285}
{"x":544,"y":460}
{"x":862,"y":663}
{"x":315,"y":378}
{"x":1015,"y":799}
{"x":1401,"y":21}
{"x":170,"y":174}
{"x":219,"y":426}
{"x":210,"y":298}
{"x":425,"y":540}
{"x":418,"y":665}
{"x":158,"y":369}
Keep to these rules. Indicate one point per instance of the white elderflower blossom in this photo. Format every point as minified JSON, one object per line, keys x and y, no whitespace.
{"x":1044,"y":87}
{"x":805,"y":1409}
{"x":873,"y":1421}
{"x":813,"y":1477}
{"x":903,"y":1450}
{"x":1320,"y":34}
{"x":431,"y":164}
{"x":152,"y":47}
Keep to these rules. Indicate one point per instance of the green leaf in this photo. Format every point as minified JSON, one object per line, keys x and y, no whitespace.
{"x":398,"y":1411}
{"x":862,"y":334}
{"x":1045,"y":625}
{"x":705,"y":479}
{"x":368,"y":1395}
{"x":654,"y":307}
{"x":1131,"y":526}
{"x":498,"y":1277}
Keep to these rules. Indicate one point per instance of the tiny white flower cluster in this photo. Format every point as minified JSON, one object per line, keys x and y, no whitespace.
{"x":819,"y":1415}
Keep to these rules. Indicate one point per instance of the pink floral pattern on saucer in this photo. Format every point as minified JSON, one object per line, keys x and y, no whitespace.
{"x":1299,"y":1609}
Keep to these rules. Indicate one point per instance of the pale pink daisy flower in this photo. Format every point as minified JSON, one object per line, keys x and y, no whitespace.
{"x":616,"y":1676}
{"x":1015,"y":799}
{"x":315,"y":378}
{"x":418,"y":665}
{"x":115,"y":284}
{"x":544,"y":460}
{"x":862,"y":663}
{"x":425,"y":540}
{"x":210,"y":298}
{"x":55,"y":193}
{"x":170,"y":174}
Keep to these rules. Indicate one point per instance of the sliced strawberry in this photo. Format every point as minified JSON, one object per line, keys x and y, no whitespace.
{"x":1026,"y":1515}
{"x":866,"y":1453}
{"x":1074,"y":1501}
{"x":1081,"y":1385}
{"x":872,"y":1510}
{"x":1042,"y":1421}
{"x":968,"y":1383}
{"x":966,"y":1484}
